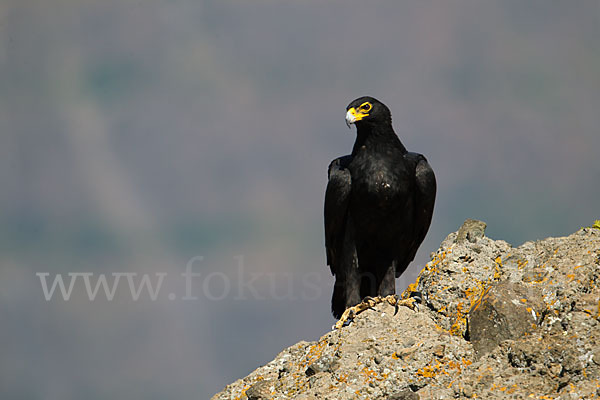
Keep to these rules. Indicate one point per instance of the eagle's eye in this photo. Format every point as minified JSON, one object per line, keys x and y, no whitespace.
{"x":365,"y":107}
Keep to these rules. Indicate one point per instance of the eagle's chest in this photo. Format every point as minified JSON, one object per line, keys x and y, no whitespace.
{"x":378,"y":180}
{"x":378,"y":185}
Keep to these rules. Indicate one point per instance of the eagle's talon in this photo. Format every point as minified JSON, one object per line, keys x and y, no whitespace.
{"x":393,"y":300}
{"x":410,"y":303}
{"x":418,"y":296}
{"x":368,"y":299}
{"x":370,"y":302}
{"x":346,"y":318}
{"x":349,"y":320}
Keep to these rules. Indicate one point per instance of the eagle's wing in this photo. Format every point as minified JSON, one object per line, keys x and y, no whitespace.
{"x":424,"y":199}
{"x":337,"y":195}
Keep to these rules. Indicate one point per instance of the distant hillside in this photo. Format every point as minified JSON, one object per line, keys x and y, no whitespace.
{"x":494,"y":322}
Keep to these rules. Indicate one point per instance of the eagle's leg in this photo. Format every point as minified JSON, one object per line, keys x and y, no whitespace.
{"x":387,"y":283}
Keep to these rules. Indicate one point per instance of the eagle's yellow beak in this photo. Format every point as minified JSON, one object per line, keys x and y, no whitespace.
{"x":354,"y":115}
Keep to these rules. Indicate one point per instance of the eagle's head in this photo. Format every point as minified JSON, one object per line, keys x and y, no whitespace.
{"x":367,"y":110}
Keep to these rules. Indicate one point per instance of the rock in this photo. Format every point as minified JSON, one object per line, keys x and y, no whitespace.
{"x":596,"y":355}
{"x":521,"y":354}
{"x":496,"y":322}
{"x":259,"y":391}
{"x":504,"y":311}
{"x":323,"y":364}
{"x":534,"y":275}
{"x":405,"y":394}
{"x":471,"y":230}
{"x":438,"y":350}
{"x":467,"y":391}
{"x":305,"y":397}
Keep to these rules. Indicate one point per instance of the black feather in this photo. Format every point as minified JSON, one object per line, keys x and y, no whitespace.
{"x":378,"y":208}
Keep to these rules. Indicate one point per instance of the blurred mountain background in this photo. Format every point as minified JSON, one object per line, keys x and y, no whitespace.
{"x":136,"y":135}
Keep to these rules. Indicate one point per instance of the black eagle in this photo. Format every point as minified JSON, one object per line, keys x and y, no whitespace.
{"x":378,"y":208}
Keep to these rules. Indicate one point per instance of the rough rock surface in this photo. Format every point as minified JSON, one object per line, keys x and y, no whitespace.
{"x":495,"y":322}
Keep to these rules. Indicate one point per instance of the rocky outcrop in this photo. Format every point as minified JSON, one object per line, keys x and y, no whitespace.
{"x":493,"y":322}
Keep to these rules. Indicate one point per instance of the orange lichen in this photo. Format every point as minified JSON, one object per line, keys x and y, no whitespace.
{"x":430,"y":371}
{"x":315,"y":351}
{"x":372,"y":376}
{"x":430,"y":267}
{"x":343,"y":378}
